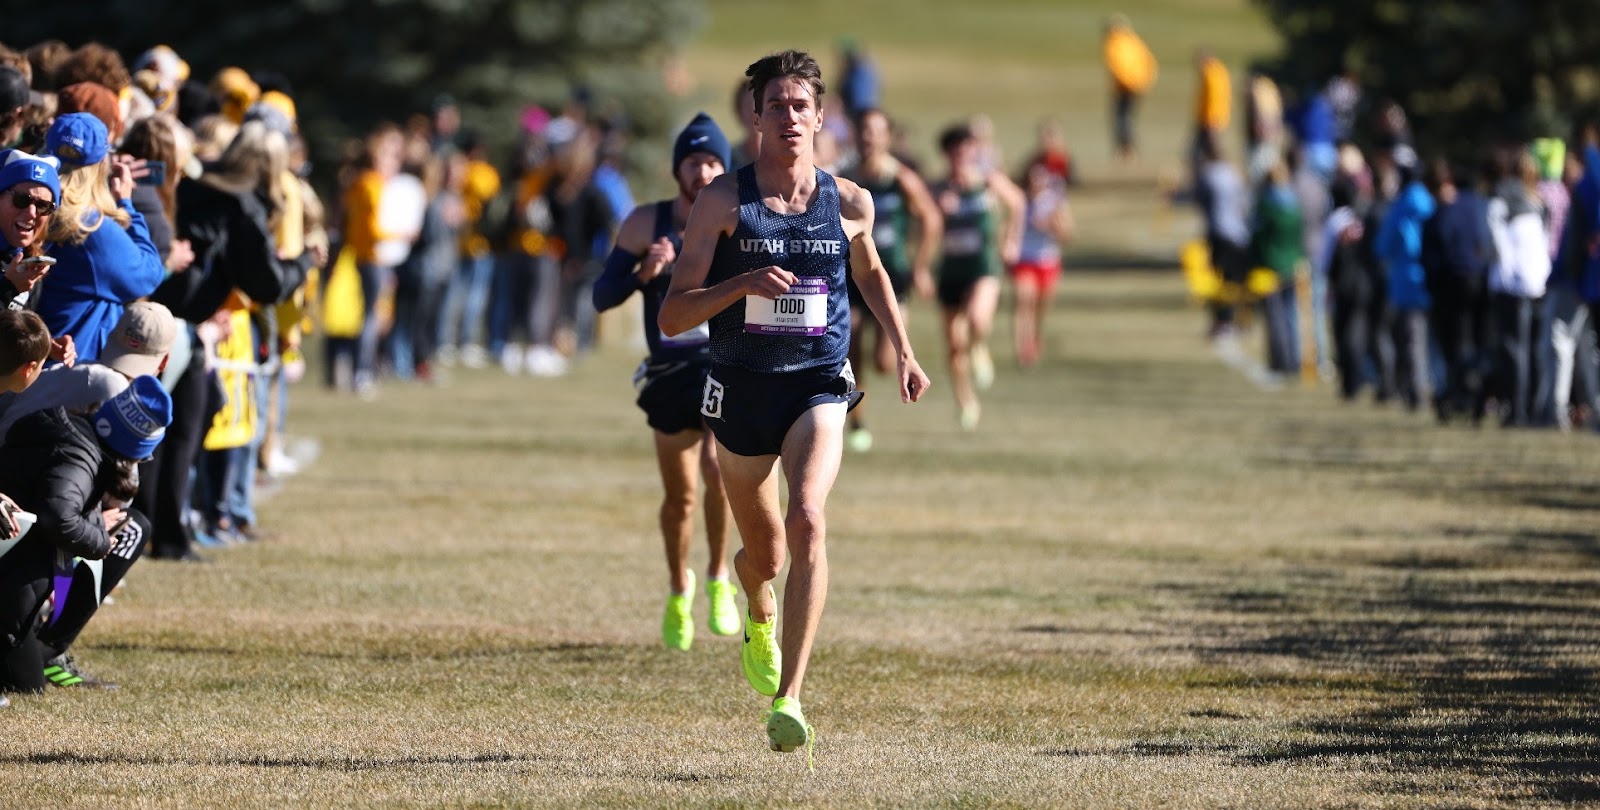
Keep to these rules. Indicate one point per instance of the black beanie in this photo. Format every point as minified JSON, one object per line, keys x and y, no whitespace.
{"x":701,"y":135}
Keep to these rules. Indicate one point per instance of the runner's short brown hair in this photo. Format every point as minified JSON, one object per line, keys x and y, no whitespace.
{"x":784,"y":65}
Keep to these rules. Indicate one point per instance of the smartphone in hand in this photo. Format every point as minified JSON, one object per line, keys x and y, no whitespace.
{"x":157,"y":174}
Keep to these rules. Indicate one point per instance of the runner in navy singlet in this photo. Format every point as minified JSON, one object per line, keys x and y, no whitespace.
{"x":764,"y":259}
{"x":671,"y":379}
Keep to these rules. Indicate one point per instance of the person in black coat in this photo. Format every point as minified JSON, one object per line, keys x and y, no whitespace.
{"x":59,"y":466}
{"x":227,"y":216}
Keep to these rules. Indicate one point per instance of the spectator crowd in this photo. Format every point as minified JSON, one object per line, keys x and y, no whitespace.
{"x":1459,"y":283}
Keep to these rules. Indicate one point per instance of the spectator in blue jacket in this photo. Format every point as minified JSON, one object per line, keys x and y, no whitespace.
{"x":1399,"y":247}
{"x":1316,"y":128}
{"x":861,"y":88}
{"x":105,"y":257}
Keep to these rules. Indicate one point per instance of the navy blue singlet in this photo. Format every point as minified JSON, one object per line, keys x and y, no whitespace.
{"x":790,"y":333}
{"x":690,"y":345}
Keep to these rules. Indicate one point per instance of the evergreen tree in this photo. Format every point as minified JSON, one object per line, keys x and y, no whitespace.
{"x":1469,"y":72}
{"x":352,"y":63}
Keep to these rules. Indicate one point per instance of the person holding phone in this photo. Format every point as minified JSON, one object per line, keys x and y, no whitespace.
{"x":30,"y":187}
{"x":153,"y":148}
{"x":107,"y":258}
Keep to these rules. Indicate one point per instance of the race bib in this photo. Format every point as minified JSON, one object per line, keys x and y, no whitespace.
{"x":697,"y":336}
{"x":963,"y":242}
{"x":711,"y":399}
{"x":884,"y":235}
{"x":803,"y":310}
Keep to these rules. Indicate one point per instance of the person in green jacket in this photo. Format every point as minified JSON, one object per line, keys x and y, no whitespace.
{"x":1276,"y":243}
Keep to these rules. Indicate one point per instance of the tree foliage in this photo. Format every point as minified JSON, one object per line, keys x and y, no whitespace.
{"x":353,"y":63}
{"x":1469,"y":72}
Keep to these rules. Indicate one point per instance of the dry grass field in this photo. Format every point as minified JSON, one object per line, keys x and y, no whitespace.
{"x":1143,"y":582}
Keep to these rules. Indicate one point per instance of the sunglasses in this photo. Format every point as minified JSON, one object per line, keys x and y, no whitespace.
{"x":22,"y":199}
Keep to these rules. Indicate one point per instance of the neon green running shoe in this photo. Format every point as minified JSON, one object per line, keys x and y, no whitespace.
{"x":724,"y":619}
{"x":982,"y":367}
{"x":763,"y":661}
{"x":787,"y":729}
{"x":677,"y":624}
{"x":858,"y":440}
{"x":970,"y":414}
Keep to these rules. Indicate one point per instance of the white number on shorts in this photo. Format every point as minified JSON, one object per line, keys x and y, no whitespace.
{"x":711,"y":403}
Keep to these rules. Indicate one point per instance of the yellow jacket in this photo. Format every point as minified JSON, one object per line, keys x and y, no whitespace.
{"x":529,"y":237}
{"x":482,"y":183}
{"x":1213,"y":104}
{"x":291,"y":238}
{"x":361,"y":233}
{"x":1132,"y":66}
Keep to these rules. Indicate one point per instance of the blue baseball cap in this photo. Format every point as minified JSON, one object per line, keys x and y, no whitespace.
{"x":17,"y":166}
{"x":133,"y":423}
{"x":78,"y":139}
{"x":701,"y":135}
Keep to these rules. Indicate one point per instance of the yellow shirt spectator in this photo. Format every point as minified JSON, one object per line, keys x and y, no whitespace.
{"x":1132,"y":66}
{"x":361,"y":233}
{"x":1213,"y":104}
{"x":482,"y":184}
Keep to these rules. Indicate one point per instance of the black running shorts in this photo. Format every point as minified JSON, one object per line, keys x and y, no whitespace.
{"x":750,"y":412}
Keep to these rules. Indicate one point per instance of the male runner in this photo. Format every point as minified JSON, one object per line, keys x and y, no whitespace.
{"x":974,"y":251}
{"x":764,"y":259}
{"x":898,"y":197}
{"x":671,"y":379}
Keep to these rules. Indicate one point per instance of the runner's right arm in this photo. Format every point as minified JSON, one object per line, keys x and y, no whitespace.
{"x":689,"y":303}
{"x":618,"y":281}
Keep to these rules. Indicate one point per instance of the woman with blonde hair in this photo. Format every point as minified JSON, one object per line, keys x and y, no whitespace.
{"x":212,"y":134}
{"x":104,"y":255}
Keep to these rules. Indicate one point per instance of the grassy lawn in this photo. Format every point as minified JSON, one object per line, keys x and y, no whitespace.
{"x":1016,"y":61}
{"x":1143,"y":582}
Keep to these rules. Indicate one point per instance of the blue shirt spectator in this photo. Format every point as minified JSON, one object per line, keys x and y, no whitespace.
{"x":1399,"y":246}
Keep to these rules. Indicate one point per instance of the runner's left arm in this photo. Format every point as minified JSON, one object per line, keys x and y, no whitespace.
{"x":1016,"y":205}
{"x":866,"y":268}
{"x":931,"y":224}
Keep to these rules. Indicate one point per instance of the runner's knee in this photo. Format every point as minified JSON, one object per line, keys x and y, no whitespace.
{"x":678,"y":506}
{"x":762,"y":565}
{"x":805,"y":520}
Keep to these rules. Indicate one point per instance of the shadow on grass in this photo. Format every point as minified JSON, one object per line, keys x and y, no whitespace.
{"x":428,"y":650}
{"x":1492,"y":677}
{"x":345,"y":764}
